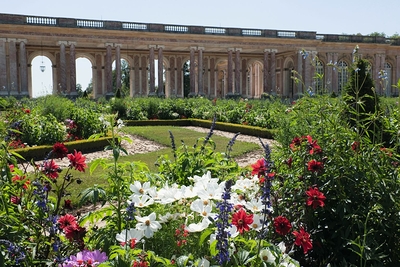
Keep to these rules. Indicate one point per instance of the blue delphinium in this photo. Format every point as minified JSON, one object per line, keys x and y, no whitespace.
{"x":130,"y":212}
{"x":230,"y":144}
{"x":222,"y":223}
{"x":15,"y":252}
{"x":266,"y":190}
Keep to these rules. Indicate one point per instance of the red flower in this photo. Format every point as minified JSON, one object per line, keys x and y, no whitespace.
{"x":259,"y":168}
{"x":59,"y":150}
{"x":77,"y":160}
{"x":51,"y":169}
{"x":242,"y":220}
{"x":315,"y":198}
{"x":289,"y":162}
{"x":15,"y":200}
{"x":313,"y":147}
{"x":68,"y":204}
{"x":355,"y":146}
{"x":315,"y":166}
{"x":67,"y":221}
{"x":296,"y":142}
{"x":303,"y":240}
{"x":282,"y":225}
{"x":18,"y":179}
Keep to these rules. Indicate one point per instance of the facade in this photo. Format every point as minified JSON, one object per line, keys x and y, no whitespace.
{"x":223,"y":62}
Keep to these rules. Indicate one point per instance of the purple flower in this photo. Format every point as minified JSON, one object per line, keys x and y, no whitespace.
{"x":222,"y":222}
{"x":14,"y":251}
{"x":93,"y":258}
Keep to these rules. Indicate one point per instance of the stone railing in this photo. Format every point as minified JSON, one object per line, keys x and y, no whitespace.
{"x":149,"y":27}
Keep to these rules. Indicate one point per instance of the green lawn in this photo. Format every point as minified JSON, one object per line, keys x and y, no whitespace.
{"x":161,"y":135}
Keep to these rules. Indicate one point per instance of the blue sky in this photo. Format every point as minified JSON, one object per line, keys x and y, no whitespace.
{"x":322,"y":16}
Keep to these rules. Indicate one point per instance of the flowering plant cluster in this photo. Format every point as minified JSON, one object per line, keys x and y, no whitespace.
{"x":38,"y":229}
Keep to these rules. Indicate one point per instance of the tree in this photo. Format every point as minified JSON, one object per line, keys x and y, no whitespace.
{"x":125,"y":79}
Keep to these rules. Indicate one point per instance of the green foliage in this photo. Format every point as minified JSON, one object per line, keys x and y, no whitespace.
{"x":41,"y":130}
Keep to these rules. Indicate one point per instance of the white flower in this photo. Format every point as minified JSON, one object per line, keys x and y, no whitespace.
{"x":169,"y":195}
{"x":198,"y":227}
{"x":254,"y":205}
{"x":148,"y":224}
{"x":204,"y":263}
{"x":267,"y":256}
{"x":127,"y":236}
{"x":138,"y":189}
{"x":168,"y":217}
{"x":141,"y":201}
{"x":211,"y":190}
{"x":257,"y":222}
{"x":120,"y":123}
{"x":203,"y":207}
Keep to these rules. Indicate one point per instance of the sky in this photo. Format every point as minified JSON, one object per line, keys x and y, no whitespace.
{"x":321,"y":16}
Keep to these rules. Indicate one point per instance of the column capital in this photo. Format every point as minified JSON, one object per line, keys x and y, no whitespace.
{"x":274,"y":50}
{"x":72,"y":43}
{"x":161,"y":46}
{"x":62,"y":42}
{"x":22,"y":40}
{"x":231,"y":49}
{"x":193,"y":48}
{"x":118,"y":45}
{"x":238,"y":49}
{"x":11,"y":39}
{"x":267,"y":50}
{"x":109,"y":44}
{"x":200,"y":48}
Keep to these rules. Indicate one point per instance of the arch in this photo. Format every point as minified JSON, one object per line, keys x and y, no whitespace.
{"x":288,"y":82}
{"x":386,"y":78}
{"x":256,"y":79}
{"x":318,"y":79}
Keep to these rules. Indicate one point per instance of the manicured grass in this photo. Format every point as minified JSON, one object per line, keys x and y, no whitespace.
{"x":159,"y":134}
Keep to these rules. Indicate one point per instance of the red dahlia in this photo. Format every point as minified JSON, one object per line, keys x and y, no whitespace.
{"x":77,"y":160}
{"x":315,"y":166}
{"x":315,"y":198}
{"x":242,"y":220}
{"x":282,"y":225}
{"x":59,"y":150}
{"x":303,"y":240}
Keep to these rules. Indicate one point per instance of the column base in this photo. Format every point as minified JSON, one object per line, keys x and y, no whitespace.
{"x":233,"y":96}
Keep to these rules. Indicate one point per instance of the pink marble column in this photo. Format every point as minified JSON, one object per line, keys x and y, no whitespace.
{"x":397,"y":74}
{"x":13,"y":67}
{"x":108,"y":71}
{"x":118,"y":66}
{"x":192,"y":72}
{"x":244,"y":77}
{"x":200,"y":71}
{"x":136,"y":77}
{"x":3,"y":68}
{"x":152,"y":71}
{"x":299,"y":71}
{"x":172,"y":76}
{"x":144,"y":89}
{"x":329,"y":70}
{"x":335,"y":86}
{"x":213,"y":88}
{"x":179,"y":79}
{"x":99,"y":87}
{"x":273,"y":70}
{"x":160,"y":71}
{"x":63,"y":69}
{"x":266,"y":71}
{"x":72,"y":70}
{"x":307,"y":71}
{"x":23,"y":70}
{"x":206,"y":76}
{"x":237,"y":71}
{"x":230,"y":71}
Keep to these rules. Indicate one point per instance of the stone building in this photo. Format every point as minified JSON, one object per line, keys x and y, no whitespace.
{"x":223,"y":62}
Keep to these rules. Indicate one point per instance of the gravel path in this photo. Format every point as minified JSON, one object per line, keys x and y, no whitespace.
{"x":141,"y":145}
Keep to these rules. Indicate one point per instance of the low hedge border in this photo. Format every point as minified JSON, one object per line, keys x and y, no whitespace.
{"x":222,"y":126}
{"x":41,"y":152}
{"x":90,"y":145}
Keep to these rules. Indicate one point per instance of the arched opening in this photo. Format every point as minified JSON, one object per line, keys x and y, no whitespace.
{"x":387,"y":79}
{"x":318,"y":79}
{"x":121,"y":87}
{"x":342,"y":75}
{"x":84,"y":76}
{"x":288,"y":82}
{"x":42,"y":76}
{"x":256,"y":79}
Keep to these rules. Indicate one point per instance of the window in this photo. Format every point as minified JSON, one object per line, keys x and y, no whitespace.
{"x":387,"y":81}
{"x":342,"y":75}
{"x":319,"y":77}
